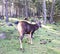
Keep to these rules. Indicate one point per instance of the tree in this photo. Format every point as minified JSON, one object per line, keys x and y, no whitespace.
{"x":52,"y":11}
{"x":44,"y":11}
{"x":38,"y":7}
{"x":6,"y":10}
{"x":26,"y":8}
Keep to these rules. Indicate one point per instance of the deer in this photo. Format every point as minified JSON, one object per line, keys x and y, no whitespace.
{"x":25,"y":27}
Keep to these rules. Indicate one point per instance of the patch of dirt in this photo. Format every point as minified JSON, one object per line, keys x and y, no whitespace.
{"x":45,"y":41}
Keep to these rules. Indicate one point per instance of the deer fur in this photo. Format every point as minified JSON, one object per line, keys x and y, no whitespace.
{"x":25,"y":27}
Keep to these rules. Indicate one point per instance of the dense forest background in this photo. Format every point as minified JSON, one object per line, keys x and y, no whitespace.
{"x":49,"y":10}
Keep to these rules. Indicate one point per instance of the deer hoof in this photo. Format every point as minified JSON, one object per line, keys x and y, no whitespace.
{"x":22,"y":49}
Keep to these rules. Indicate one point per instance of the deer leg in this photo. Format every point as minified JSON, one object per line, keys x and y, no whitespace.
{"x":30,"y":38}
{"x":20,"y":39}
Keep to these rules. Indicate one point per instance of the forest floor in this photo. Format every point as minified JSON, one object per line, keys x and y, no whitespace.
{"x":46,"y":40}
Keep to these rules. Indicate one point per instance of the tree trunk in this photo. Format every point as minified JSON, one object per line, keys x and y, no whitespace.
{"x":16,"y":12}
{"x":22,"y":12}
{"x":44,"y":11}
{"x":52,"y":11}
{"x":2,"y":9}
{"x":6,"y":10}
{"x":26,"y":8}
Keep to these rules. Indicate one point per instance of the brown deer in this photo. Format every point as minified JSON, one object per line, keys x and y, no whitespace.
{"x":25,"y":27}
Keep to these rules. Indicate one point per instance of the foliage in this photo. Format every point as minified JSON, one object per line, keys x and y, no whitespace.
{"x":58,"y":4}
{"x":33,"y":1}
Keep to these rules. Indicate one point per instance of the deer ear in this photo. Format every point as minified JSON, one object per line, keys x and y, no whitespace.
{"x":37,"y":21}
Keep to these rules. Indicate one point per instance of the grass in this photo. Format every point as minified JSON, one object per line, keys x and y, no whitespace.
{"x":11,"y":45}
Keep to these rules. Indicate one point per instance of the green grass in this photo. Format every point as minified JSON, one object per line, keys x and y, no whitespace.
{"x":11,"y":45}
